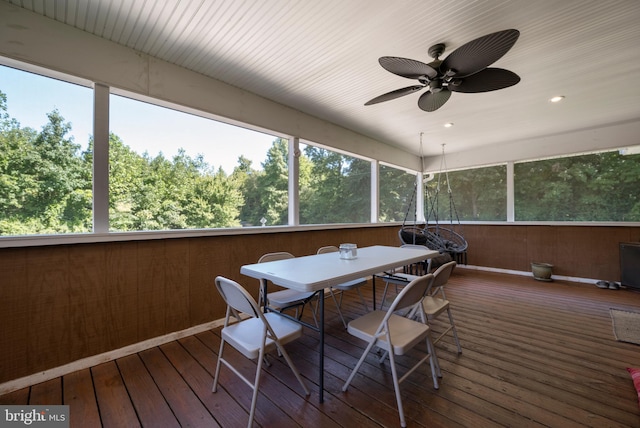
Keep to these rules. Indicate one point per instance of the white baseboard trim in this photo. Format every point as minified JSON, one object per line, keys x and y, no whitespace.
{"x":94,"y":360}
{"x":525,"y":273}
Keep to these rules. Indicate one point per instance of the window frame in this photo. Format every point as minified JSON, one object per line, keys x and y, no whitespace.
{"x":101,"y":231}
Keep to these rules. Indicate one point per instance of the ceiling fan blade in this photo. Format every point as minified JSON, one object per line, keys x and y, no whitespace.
{"x":489,"y":79}
{"x":406,"y":67}
{"x":394,"y":94}
{"x":480,"y":53}
{"x":432,"y":101}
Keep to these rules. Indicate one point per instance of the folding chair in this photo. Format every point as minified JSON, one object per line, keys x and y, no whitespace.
{"x":284,"y":299}
{"x":400,"y":279}
{"x":254,"y":336}
{"x":345,"y":286}
{"x":436,"y":301}
{"x":396,"y":335}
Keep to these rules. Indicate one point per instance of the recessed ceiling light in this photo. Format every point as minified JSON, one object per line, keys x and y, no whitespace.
{"x":557,"y":99}
{"x":448,"y":125}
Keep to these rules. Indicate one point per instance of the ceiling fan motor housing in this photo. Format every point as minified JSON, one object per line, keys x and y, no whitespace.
{"x":435,"y":85}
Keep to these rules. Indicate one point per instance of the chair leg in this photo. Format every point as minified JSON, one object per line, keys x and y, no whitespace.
{"x":455,"y":333}
{"x":360,"y":361}
{"x":293,"y":368}
{"x":433,"y":362}
{"x":333,"y":296}
{"x":314,"y":311}
{"x":396,"y":387}
{"x":384,"y":295}
{"x":254,"y":398}
{"x":218,"y":364}
{"x":266,"y":359}
{"x":364,"y":302}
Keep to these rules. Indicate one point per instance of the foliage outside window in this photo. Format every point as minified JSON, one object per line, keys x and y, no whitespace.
{"x":45,"y":175}
{"x":478,"y":194}
{"x":265,"y":192}
{"x":594,"y":187}
{"x":334,"y":188}
{"x":196,"y":188}
{"x":397,"y":195}
{"x":166,"y":175}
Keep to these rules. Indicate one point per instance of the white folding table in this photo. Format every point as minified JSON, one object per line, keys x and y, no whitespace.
{"x":320,"y":271}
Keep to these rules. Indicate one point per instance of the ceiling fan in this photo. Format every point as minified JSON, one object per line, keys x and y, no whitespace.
{"x":464,"y":70}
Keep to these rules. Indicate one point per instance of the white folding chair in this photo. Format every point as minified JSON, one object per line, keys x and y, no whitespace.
{"x":345,"y":286}
{"x":436,"y":301}
{"x":400,"y":279}
{"x":254,"y":336}
{"x":284,"y":299}
{"x":397,"y":335}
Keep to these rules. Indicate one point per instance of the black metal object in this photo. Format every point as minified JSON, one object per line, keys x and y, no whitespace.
{"x":465,"y":70}
{"x":433,"y":236}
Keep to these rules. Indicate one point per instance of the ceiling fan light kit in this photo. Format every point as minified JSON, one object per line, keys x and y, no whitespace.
{"x":465,"y":70}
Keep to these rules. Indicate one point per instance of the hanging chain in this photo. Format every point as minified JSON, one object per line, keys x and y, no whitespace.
{"x":452,"y":205}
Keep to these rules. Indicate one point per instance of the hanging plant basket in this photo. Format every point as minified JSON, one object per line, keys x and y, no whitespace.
{"x":542,"y":271}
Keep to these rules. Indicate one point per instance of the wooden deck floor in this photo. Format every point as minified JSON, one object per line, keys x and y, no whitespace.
{"x":534,"y":354}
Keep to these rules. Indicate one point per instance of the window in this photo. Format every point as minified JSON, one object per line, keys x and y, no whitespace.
{"x":593,"y":187}
{"x":175,"y":170}
{"x":334,"y":188}
{"x":478,"y":194}
{"x":398,"y":196}
{"x":45,"y":155}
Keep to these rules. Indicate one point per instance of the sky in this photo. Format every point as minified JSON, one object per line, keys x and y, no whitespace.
{"x":141,"y":126}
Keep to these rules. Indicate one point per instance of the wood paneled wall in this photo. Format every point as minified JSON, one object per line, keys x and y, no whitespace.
{"x":59,"y":304}
{"x":575,"y":251}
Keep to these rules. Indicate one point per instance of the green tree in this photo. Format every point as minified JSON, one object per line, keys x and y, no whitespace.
{"x":334,"y":188}
{"x":125,"y":180}
{"x":160,"y":194}
{"x":356,"y":191}
{"x":44,"y":185}
{"x":397,"y":195}
{"x":272,"y":187}
{"x":15,"y":181}
{"x":593,"y":187}
{"x":214,"y":201}
{"x":322,"y":203}
{"x":478,"y":194}
{"x":247,"y":181}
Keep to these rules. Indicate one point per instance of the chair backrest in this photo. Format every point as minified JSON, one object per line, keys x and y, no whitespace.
{"x":271,"y":257}
{"x":236,"y":297}
{"x":328,"y":249}
{"x":411,"y":294}
{"x":442,"y":274}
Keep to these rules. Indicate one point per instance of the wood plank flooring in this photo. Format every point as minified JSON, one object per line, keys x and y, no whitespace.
{"x":535,"y":354}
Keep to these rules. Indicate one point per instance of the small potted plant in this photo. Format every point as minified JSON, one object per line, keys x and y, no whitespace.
{"x":542,"y":271}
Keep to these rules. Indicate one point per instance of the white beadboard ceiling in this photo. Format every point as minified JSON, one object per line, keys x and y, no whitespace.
{"x":321,"y":57}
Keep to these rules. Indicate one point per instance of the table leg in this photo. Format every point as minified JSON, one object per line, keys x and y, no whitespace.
{"x":321,"y":363}
{"x":373,"y":280}
{"x":263,"y":290}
